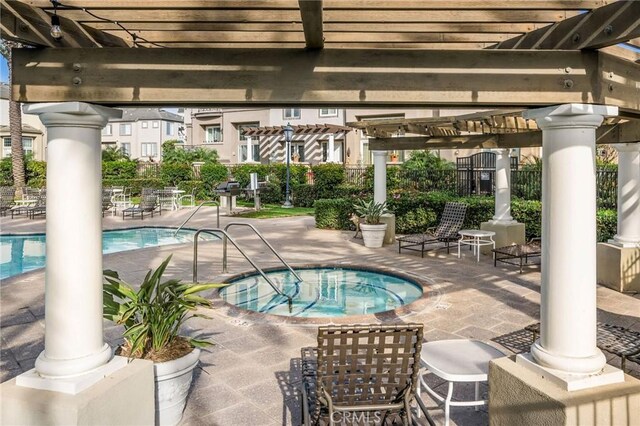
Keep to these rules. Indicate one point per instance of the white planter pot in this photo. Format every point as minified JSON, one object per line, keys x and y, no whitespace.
{"x":173,"y":379}
{"x":373,"y":235}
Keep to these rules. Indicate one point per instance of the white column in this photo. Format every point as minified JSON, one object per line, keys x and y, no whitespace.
{"x":503,"y":187}
{"x":73,"y":276}
{"x":568,"y":289}
{"x":628,"y":234}
{"x":249,"y":156}
{"x":379,"y":176}
{"x":330,"y":149}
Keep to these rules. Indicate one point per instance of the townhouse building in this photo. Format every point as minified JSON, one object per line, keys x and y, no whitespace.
{"x":141,"y":131}
{"x":34,"y":134}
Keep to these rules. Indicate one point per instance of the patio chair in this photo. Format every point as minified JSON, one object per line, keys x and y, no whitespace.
{"x":107,"y":203}
{"x":7,"y":195}
{"x":190,"y":198}
{"x":31,"y":210}
{"x":148,"y":204}
{"x":165,"y":199}
{"x":366,"y":370}
{"x":522,"y":252}
{"x":445,"y":233}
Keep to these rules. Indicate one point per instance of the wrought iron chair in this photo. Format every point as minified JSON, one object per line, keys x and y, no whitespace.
{"x":148,"y":203}
{"x":33,"y":208}
{"x":445,"y":233}
{"x":7,"y":195}
{"x":362,"y":371}
{"x":107,"y":200}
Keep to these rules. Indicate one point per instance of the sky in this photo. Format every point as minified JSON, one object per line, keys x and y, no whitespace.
{"x":4,"y":71}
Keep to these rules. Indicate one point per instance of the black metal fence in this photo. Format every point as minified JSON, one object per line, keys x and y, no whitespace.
{"x":525,"y":184}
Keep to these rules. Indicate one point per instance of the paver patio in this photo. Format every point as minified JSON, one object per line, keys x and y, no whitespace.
{"x":251,"y":375}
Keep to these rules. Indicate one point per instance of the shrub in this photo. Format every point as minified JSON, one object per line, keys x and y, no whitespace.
{"x":528,"y":212}
{"x":304,"y":195}
{"x":242,"y":173}
{"x":112,"y":153}
{"x":172,"y":174}
{"x":125,"y":169}
{"x":333,"y":214}
{"x":188,"y":185}
{"x":6,"y":172}
{"x":211,"y":174}
{"x":426,"y":160}
{"x":421,"y":218}
{"x":36,"y":173}
{"x":178,"y":155}
{"x":607,"y":224}
{"x":326,"y":177}
{"x":271,"y":194}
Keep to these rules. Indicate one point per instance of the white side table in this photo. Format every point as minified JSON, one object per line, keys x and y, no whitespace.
{"x":476,"y":239}
{"x":459,"y":360}
{"x":174,"y":201}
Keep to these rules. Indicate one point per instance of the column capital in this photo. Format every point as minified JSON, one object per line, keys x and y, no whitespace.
{"x":571,"y":115}
{"x":379,"y":153}
{"x":627,"y":147}
{"x":72,"y":114}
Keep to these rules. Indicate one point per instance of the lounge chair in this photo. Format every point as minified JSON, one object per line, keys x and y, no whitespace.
{"x":363,"y":370}
{"x":148,"y":204}
{"x":39,"y":206}
{"x":7,"y":195}
{"x":107,"y":203}
{"x":445,"y":233}
{"x":522,"y":252}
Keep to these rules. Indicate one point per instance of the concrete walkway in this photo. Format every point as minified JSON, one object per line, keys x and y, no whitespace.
{"x":251,"y":375}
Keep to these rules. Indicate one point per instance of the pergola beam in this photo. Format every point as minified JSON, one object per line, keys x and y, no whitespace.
{"x":605,"y":26}
{"x":628,"y":132}
{"x":311,"y":13}
{"x":403,"y":78}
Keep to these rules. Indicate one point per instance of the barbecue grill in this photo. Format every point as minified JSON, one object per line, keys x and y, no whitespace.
{"x":228,"y":189}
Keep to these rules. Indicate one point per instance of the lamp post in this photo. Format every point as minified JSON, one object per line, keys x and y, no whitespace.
{"x":288,"y":135}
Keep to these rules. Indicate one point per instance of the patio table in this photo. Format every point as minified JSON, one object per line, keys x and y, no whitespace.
{"x":476,"y":238}
{"x":458,"y":360}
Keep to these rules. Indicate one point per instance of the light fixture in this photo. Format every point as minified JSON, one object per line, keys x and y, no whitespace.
{"x":56,"y":31}
{"x":288,"y":135}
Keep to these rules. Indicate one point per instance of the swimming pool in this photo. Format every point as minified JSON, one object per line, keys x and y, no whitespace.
{"x":324,"y":292}
{"x":23,"y":253}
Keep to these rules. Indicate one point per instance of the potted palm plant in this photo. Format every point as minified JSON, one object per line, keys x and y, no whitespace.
{"x":372,"y":229}
{"x":152,"y":317}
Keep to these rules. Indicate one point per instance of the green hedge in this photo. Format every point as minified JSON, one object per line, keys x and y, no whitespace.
{"x":417,"y":211}
{"x":6,"y":172}
{"x":271,"y":194}
{"x":36,"y":174}
{"x":124,"y":169}
{"x":172,"y":174}
{"x":333,"y":214}
{"x":211,"y":175}
{"x":326,"y":177}
{"x":304,"y":195}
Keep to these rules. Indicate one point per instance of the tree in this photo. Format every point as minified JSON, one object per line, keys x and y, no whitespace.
{"x":426,"y":160}
{"x":15,"y":124}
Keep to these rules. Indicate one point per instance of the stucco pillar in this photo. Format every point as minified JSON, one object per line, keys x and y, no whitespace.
{"x":568,"y":286}
{"x":379,"y":176}
{"x":73,"y":276}
{"x":628,"y":233}
{"x":330,"y":149}
{"x":503,"y":187}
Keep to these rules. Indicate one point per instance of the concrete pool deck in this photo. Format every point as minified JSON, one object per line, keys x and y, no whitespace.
{"x":251,"y":375}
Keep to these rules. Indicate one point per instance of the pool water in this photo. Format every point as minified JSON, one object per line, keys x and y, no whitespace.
{"x":324,"y":292}
{"x":23,"y":253}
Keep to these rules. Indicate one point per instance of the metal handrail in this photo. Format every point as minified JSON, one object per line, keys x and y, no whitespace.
{"x":224,"y":248}
{"x":226,"y":236}
{"x":196,"y":211}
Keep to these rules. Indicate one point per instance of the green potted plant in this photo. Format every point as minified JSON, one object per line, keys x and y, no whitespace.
{"x":372,"y":229}
{"x":152,"y":317}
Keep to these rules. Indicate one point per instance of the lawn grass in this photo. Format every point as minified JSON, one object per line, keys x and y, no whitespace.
{"x":272,"y":210}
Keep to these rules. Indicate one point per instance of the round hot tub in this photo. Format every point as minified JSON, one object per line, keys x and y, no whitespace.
{"x":324,"y":291}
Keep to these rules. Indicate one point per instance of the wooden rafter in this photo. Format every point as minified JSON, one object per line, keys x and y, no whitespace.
{"x":605,"y":26}
{"x":311,"y":13}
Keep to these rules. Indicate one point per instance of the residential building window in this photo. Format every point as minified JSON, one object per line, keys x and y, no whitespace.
{"x":125,"y":129}
{"x":27,"y":146}
{"x":155,"y":124}
{"x":149,"y":149}
{"x":243,"y":127}
{"x":291,"y":113}
{"x":255,"y":152}
{"x":108,"y":130}
{"x":6,"y":147}
{"x":328,"y":112}
{"x":213,"y":134}
{"x":144,"y":124}
{"x":126,"y":149}
{"x":168,"y":128}
{"x":297,"y":152}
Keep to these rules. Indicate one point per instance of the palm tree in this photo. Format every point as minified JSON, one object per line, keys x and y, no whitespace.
{"x":15,"y":125}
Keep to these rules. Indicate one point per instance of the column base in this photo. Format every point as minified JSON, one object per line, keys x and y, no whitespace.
{"x":70,"y":385}
{"x":125,"y":397}
{"x":571,"y":382}
{"x":390,"y":233}
{"x":618,"y":267}
{"x":62,"y":368}
{"x":518,"y":396}
{"x":507,"y":233}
